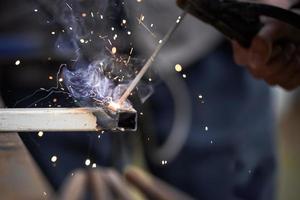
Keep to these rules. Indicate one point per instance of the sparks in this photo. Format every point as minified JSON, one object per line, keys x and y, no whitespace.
{"x":53,"y":159}
{"x":18,"y":62}
{"x":40,"y":133}
{"x":178,"y":67}
{"x":114,"y":50}
{"x":87,"y":162}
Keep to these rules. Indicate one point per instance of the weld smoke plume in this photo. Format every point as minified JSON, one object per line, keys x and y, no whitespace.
{"x":96,"y":75}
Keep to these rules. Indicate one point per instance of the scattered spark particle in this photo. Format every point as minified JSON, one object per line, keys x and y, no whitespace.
{"x":112,"y":28}
{"x":164,"y":162}
{"x":18,"y":62}
{"x":53,"y":32}
{"x":114,"y":50}
{"x":70,"y":28}
{"x":200,"y":96}
{"x":81,"y":41}
{"x":142,"y":17}
{"x":129,"y":32}
{"x":141,"y":113}
{"x":101,"y":16}
{"x":178,"y":68}
{"x":150,"y":79}
{"x":139,"y":1}
{"x":124,"y":21}
{"x":54,"y":100}
{"x":211,"y":142}
{"x":206,"y":128}
{"x":60,"y":79}
{"x":99,"y":136}
{"x":115,"y":36}
{"x":184,"y":75}
{"x":87,"y":162}
{"x":92,"y":14}
{"x":50,"y":77}
{"x":160,"y":41}
{"x":151,"y":25}
{"x":83,"y":14}
{"x":94,"y":165}
{"x":40,"y":133}
{"x":178,"y":19}
{"x":53,"y":159}
{"x":45,"y":193}
{"x":35,"y":10}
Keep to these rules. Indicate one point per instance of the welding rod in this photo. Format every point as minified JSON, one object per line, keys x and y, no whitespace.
{"x":65,"y":119}
{"x":151,"y":59}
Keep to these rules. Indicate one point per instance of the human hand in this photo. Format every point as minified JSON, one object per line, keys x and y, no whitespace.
{"x":274,"y":54}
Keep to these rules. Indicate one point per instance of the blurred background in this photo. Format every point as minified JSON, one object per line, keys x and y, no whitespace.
{"x":29,"y":60}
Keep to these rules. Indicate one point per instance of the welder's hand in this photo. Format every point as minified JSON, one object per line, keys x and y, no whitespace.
{"x":274,"y":54}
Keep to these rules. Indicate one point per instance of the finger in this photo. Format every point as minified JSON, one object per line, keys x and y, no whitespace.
{"x":240,"y":54}
{"x":99,"y":187}
{"x":264,"y":46}
{"x":295,"y":79}
{"x":152,"y":187}
{"x":282,"y":65}
{"x":275,"y":66}
{"x":272,"y":30}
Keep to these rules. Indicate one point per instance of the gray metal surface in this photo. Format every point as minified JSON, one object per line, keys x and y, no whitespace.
{"x":65,"y":119}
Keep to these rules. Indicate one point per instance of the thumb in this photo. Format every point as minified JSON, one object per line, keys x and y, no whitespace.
{"x":263,"y":45}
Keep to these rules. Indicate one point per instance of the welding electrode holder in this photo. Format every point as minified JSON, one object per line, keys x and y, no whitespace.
{"x":238,"y":21}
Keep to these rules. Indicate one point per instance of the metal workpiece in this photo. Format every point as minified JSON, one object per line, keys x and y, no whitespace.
{"x":66,"y":119}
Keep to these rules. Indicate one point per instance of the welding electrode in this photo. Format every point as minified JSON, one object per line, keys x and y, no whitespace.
{"x":144,"y":69}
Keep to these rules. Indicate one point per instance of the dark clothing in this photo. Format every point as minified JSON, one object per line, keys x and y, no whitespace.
{"x":234,"y":159}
